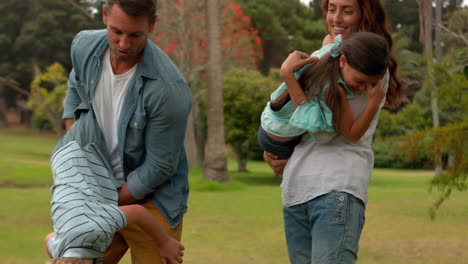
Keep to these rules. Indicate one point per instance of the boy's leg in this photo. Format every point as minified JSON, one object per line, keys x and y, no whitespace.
{"x":143,"y":248}
{"x":116,"y":249}
{"x":339,"y":219}
{"x":297,"y":228}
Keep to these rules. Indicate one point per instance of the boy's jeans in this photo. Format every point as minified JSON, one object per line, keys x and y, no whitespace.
{"x":325,"y":230}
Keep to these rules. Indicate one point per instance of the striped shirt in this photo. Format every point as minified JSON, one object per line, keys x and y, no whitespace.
{"x":84,"y":203}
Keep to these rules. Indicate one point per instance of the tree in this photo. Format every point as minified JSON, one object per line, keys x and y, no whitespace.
{"x":182,"y":34}
{"x":47,"y":94}
{"x":215,"y":165}
{"x":426,"y":9}
{"x":284,"y":26}
{"x":450,"y":75}
{"x":245,"y":95}
{"x":33,"y":34}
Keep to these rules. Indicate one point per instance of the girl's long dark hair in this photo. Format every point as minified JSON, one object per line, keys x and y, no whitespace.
{"x":365,"y":52}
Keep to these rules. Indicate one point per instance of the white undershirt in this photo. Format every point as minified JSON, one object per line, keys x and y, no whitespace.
{"x":107,"y":101}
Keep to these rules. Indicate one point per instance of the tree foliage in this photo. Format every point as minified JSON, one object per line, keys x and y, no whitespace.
{"x":47,"y":94}
{"x":284,"y":26}
{"x":36,"y":33}
{"x":245,"y":95}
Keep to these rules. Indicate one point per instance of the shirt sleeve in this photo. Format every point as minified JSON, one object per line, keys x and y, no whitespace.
{"x":164,"y":139}
{"x":72,"y":99}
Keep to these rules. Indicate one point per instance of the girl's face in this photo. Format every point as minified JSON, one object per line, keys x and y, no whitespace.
{"x":354,"y":79}
{"x":343,"y":17}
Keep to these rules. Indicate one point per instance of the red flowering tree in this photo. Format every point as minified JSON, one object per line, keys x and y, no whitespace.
{"x":181,"y":33}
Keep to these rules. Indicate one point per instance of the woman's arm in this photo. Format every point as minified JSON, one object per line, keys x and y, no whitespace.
{"x":171,"y":250}
{"x":355,"y":129}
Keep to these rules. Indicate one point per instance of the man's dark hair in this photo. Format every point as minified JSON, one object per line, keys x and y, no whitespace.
{"x":135,"y":7}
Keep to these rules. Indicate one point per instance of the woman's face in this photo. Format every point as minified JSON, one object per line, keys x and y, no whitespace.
{"x":343,"y":17}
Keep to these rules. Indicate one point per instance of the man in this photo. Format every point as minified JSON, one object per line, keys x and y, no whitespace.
{"x":141,"y":102}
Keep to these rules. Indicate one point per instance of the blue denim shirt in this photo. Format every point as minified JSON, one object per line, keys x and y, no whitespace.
{"x":152,"y":123}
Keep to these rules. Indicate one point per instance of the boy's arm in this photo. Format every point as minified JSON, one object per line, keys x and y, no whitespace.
{"x":171,"y":250}
{"x":352,"y":129}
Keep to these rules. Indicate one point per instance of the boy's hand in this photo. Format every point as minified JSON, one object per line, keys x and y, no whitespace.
{"x":171,"y":251}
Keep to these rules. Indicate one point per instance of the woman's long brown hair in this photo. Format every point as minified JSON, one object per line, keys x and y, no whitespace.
{"x":374,"y":20}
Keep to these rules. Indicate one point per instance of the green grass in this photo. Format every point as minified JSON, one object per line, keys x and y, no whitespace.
{"x":240,"y":221}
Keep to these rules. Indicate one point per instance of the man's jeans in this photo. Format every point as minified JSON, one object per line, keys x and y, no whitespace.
{"x":325,"y":230}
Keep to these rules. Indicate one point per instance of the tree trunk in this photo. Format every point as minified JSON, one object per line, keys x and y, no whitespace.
{"x":191,"y":144}
{"x":215,"y":165}
{"x":241,"y":162}
{"x":434,"y":93}
{"x":199,"y":130}
{"x":427,"y":22}
{"x":3,"y":109}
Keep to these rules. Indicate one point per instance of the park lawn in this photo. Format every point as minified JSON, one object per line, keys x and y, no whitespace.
{"x":241,"y":222}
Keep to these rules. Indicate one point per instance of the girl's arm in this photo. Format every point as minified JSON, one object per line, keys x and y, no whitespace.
{"x":171,"y":250}
{"x":295,"y":61}
{"x":355,"y":129}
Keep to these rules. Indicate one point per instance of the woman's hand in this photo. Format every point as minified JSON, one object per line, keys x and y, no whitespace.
{"x":295,"y":61}
{"x":276,"y":164}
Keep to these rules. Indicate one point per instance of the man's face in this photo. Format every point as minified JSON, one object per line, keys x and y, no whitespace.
{"x":126,"y":34}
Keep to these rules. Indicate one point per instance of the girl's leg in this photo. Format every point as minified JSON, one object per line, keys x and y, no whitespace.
{"x":297,"y":229}
{"x":337,"y":219}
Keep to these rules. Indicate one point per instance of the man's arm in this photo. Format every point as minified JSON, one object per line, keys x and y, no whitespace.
{"x":71,"y":102}
{"x":164,"y":139}
{"x":69,"y":123}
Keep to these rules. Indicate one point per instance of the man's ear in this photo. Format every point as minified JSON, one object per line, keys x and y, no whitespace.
{"x":104,"y":14}
{"x":153,"y":23}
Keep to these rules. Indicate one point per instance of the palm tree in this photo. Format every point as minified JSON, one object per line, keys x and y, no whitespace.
{"x":427,"y":10}
{"x":215,"y":165}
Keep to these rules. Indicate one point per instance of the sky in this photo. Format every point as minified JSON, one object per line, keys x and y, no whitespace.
{"x":465,"y":2}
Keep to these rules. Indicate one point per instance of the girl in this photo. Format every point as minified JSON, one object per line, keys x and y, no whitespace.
{"x":324,"y":187}
{"x":355,"y":65}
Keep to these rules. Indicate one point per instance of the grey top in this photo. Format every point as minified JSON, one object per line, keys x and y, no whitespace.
{"x":339,"y":165}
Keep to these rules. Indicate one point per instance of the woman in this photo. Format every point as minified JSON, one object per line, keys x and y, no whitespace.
{"x":324,"y":188}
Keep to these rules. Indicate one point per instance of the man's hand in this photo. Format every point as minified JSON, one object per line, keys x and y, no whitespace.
{"x":276,"y":164}
{"x":125,"y":197}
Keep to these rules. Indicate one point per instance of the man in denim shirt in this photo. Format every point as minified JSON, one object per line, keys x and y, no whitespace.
{"x":142,"y":103}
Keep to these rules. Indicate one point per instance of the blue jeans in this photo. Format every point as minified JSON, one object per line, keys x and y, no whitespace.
{"x":325,"y":230}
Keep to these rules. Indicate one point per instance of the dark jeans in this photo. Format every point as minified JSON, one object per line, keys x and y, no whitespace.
{"x":282,"y":149}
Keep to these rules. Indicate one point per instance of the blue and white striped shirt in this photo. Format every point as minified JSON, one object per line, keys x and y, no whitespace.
{"x":84,"y":203}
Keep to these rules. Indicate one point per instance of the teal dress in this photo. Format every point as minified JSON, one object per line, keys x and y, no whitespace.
{"x":314,"y":116}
